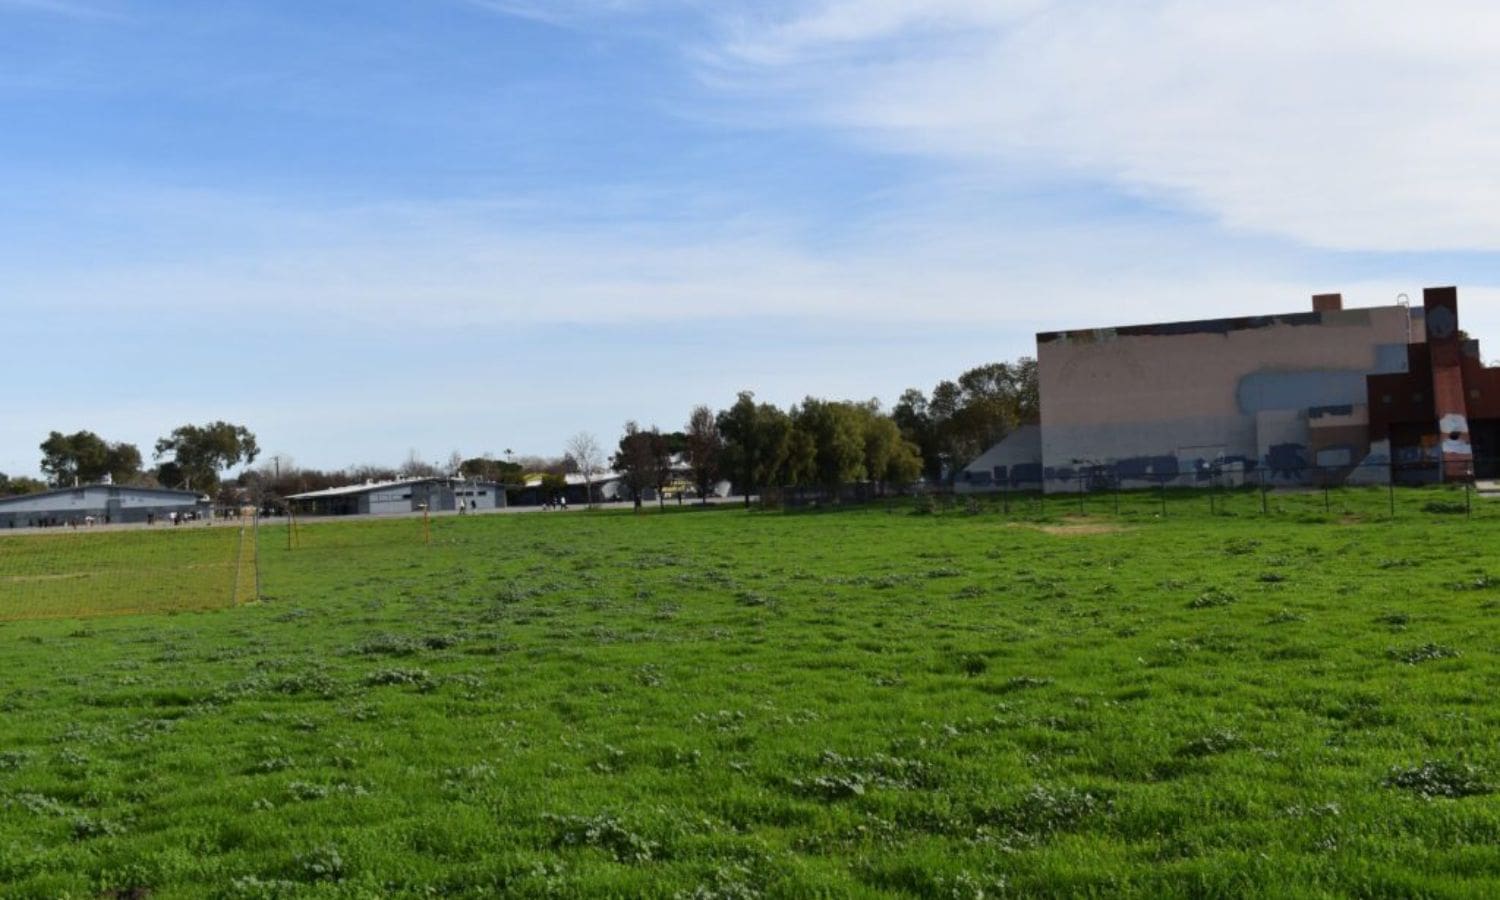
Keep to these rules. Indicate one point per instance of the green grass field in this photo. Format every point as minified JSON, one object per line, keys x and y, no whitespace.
{"x":66,"y":573}
{"x":862,"y":702}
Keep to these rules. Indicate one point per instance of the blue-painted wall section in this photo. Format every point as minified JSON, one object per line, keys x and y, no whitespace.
{"x":1390,"y":359}
{"x":1263,"y":391}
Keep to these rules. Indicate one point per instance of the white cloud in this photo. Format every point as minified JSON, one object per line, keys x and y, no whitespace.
{"x":1349,"y":125}
{"x":473,"y":264}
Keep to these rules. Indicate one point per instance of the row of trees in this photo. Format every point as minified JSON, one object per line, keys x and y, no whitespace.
{"x":825,"y":445}
{"x":191,"y":457}
{"x":816,"y":444}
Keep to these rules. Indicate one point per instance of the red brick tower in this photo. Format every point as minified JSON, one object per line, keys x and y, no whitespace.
{"x":1456,"y":454}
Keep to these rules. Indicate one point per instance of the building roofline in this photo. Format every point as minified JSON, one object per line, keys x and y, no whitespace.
{"x":1208,"y":326}
{"x":349,"y":490}
{"x":57,"y":492}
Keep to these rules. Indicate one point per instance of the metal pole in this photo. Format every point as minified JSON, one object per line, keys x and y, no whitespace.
{"x":1264,"y":506}
{"x":1163,"y":496}
{"x":1468,"y":505}
{"x":255,"y":553}
{"x":1391,"y":484}
{"x":426,"y":525}
{"x":1005,"y":495}
{"x":1327,"y":502}
{"x":1117,"y":494}
{"x":1082,"y":511}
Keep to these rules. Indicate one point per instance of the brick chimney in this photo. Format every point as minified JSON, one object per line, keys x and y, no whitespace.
{"x":1328,"y":302}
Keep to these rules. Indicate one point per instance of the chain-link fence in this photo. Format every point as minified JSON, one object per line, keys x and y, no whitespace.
{"x":1379,"y":491}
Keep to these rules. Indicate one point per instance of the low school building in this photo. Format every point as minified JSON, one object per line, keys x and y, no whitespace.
{"x":103,"y":504}
{"x":405,"y":496}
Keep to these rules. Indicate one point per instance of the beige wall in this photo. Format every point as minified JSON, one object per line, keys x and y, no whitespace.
{"x":1110,"y":396}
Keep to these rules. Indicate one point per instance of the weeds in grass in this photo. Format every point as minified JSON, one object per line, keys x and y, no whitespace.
{"x":1440,"y":780}
{"x":603,"y":832}
{"x":1423,"y":653}
{"x":1211,"y":598}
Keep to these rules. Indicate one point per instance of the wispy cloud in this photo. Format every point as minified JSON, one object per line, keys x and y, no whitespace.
{"x":1351,"y":125}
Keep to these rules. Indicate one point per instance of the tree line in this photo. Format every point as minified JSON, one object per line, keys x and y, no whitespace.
{"x":827,"y":445}
{"x":191,"y":457}
{"x":816,"y":445}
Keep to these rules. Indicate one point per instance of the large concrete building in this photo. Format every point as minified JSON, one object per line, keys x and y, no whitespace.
{"x":104,"y":504}
{"x":1328,"y":395}
{"x":406,"y":496}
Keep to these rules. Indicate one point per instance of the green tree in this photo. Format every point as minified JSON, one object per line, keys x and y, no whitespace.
{"x":638,"y":460}
{"x":964,"y":418}
{"x":837,"y":432}
{"x":912,"y":415}
{"x":84,"y":457}
{"x":486,"y":469}
{"x":797,"y":459}
{"x":904,"y":466}
{"x":553,"y":485}
{"x":198,"y":453}
{"x":755,"y":437}
{"x":883,"y":442}
{"x":10,"y":487}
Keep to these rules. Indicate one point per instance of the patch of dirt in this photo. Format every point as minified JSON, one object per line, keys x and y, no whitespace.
{"x":1074,"y":527}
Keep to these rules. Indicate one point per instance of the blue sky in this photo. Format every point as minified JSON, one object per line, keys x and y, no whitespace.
{"x":367,"y":228}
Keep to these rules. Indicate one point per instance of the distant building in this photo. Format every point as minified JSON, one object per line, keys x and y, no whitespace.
{"x":405,"y":496}
{"x":1332,"y":395}
{"x":104,"y":504}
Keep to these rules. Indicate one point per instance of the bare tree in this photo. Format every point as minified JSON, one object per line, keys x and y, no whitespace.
{"x":585,"y":450}
{"x":416,"y":467}
{"x":704,"y":446}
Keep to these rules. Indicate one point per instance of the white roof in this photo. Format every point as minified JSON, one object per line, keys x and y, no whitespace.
{"x":352,"y":489}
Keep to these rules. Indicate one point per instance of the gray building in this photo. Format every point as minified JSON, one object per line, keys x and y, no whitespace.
{"x":407,"y":496}
{"x":105,"y":504}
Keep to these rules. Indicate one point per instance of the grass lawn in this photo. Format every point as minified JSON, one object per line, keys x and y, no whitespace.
{"x":862,"y":702}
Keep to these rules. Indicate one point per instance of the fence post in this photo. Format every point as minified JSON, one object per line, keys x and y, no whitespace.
{"x":255,"y":544}
{"x":1327,"y":501}
{"x":1082,"y":511}
{"x":1391,"y":484}
{"x":1265,"y":507}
